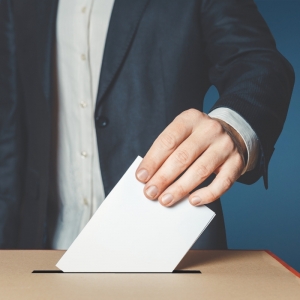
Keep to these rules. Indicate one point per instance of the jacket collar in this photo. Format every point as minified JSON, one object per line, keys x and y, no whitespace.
{"x":123,"y":25}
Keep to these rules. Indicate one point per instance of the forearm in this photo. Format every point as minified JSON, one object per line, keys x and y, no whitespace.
{"x":252,"y":77}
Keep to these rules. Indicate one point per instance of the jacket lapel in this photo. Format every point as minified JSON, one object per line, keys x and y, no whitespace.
{"x":124,"y":20}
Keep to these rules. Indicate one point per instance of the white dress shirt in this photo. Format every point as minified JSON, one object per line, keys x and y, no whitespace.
{"x":81,"y":32}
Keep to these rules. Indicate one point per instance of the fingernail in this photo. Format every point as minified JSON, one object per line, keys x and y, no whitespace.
{"x":166,"y":199}
{"x":196,"y":200}
{"x":152,"y":191}
{"x":142,"y":175}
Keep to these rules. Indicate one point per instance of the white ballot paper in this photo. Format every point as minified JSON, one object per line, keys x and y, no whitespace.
{"x":129,"y":233}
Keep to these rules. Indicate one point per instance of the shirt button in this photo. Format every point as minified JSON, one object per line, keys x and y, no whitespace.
{"x":83,"y":154}
{"x":102,"y":121}
{"x":83,"y":10}
{"x":85,"y":201}
{"x":83,"y":104}
{"x":83,"y":57}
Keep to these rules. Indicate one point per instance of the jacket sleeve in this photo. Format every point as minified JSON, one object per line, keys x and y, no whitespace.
{"x":251,"y":76}
{"x":10,"y":137}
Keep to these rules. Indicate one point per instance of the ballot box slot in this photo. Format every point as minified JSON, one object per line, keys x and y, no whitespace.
{"x":47,"y":271}
{"x":174,"y":272}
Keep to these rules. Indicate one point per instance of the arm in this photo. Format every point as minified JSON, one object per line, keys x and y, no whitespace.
{"x":253,"y":79}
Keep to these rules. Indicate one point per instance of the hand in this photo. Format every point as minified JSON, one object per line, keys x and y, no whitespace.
{"x":197,"y":146}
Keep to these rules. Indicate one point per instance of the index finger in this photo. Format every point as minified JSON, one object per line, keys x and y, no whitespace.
{"x":163,"y":147}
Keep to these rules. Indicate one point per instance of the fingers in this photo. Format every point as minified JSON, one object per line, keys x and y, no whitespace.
{"x":193,"y":146}
{"x":175,"y":165}
{"x":167,"y":142}
{"x":200,"y":170}
{"x":229,"y":172}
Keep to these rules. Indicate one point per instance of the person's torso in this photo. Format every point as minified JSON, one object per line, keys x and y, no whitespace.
{"x":154,"y":67}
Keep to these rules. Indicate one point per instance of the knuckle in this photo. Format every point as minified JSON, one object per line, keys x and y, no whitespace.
{"x":228,"y":145}
{"x":181,"y":191}
{"x":182,"y":157}
{"x":162,"y":180}
{"x":227,"y":183}
{"x":228,"y":142}
{"x":214,"y":126}
{"x":168,"y":140}
{"x":191,"y":113}
{"x":211,"y":195}
{"x":236,"y":164}
{"x":214,"y":157}
{"x":202,"y":171}
{"x":238,"y":167}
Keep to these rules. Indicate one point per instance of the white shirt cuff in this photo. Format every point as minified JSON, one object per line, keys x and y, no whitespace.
{"x":244,"y":129}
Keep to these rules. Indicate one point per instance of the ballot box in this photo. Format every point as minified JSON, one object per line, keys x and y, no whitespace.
{"x":31,"y":274}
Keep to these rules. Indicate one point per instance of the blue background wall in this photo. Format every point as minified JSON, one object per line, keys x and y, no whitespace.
{"x":260,"y":219}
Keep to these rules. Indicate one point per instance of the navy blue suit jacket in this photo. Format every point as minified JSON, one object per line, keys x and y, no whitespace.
{"x":161,"y":57}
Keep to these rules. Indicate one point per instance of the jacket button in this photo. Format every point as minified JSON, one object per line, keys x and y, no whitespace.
{"x":101,"y":122}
